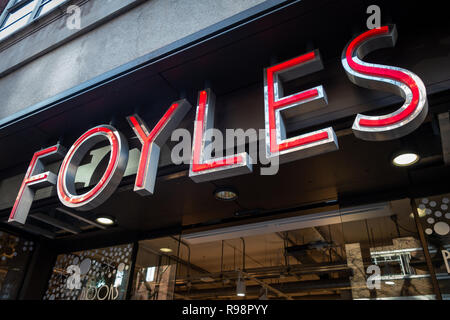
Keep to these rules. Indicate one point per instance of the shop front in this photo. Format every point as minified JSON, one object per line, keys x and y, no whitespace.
{"x":367,"y":252}
{"x":270,"y":158}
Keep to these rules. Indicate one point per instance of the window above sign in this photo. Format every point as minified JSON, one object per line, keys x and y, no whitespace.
{"x":19,"y":13}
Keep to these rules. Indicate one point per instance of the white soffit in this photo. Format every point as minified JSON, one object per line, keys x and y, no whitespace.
{"x":293,"y":223}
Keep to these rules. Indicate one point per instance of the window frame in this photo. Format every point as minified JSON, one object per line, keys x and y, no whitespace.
{"x":16,"y":4}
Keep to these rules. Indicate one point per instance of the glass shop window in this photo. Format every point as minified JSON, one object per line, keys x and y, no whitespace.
{"x":366,"y":252}
{"x":48,"y":5}
{"x":434,"y":215}
{"x":19,"y":13}
{"x":155,"y":269}
{"x":98,"y":274}
{"x":306,"y":263}
{"x":14,"y":257}
{"x":386,"y":255}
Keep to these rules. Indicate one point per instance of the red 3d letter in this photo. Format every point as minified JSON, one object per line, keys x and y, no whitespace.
{"x":152,"y":143}
{"x":279,"y":110}
{"x":109,"y":181}
{"x":35,"y":178}
{"x":399,"y":81}
{"x":202,"y":167}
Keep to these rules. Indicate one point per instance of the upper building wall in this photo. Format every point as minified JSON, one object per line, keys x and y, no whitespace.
{"x":46,"y":57}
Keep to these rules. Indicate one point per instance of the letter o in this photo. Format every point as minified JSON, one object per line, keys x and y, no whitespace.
{"x":109,"y":181}
{"x":87,"y":293}
{"x":100,"y":289}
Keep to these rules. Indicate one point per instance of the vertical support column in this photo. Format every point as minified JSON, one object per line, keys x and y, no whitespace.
{"x":444,"y":127}
{"x":132,"y":269}
{"x":426,"y":251}
{"x":356,"y":263}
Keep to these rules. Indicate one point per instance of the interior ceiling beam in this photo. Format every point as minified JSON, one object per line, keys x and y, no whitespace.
{"x":289,"y":288}
{"x":304,"y":259}
{"x":317,"y":229}
{"x":297,"y":269}
{"x":288,"y":239}
{"x":56,"y":223}
{"x":444,"y":126}
{"x":267,"y":286}
{"x":241,"y":252}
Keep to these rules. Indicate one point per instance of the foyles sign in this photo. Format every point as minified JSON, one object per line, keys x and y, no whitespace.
{"x":205,"y":168}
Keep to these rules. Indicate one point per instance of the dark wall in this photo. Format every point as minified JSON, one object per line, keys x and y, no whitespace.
{"x":39,"y":271}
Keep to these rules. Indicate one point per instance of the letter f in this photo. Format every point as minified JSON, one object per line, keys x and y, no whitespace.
{"x":35,"y":179}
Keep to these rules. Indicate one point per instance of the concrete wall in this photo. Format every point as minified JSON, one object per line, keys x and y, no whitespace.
{"x":113,"y":32}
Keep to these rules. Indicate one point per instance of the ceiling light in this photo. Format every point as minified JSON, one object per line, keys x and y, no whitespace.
{"x":405,"y":159}
{"x":166,"y":250}
{"x":226,"y":194}
{"x":391,"y":283}
{"x":106,"y":220}
{"x":240,"y":287}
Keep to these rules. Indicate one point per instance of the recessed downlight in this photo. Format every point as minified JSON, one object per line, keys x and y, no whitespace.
{"x":226,"y":194}
{"x":405,"y":159}
{"x":105,"y":220}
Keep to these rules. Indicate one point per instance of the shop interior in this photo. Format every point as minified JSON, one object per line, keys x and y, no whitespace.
{"x":328,"y":259}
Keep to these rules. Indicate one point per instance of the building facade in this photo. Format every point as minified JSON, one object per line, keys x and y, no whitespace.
{"x":326,"y":178}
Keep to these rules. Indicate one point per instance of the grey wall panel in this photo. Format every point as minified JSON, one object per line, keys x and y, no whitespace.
{"x":145,"y":28}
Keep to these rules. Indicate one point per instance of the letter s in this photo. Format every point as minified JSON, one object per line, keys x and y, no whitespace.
{"x":399,"y":81}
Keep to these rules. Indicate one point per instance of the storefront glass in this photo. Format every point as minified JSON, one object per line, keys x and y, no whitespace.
{"x":389,"y":244}
{"x":99,"y":274}
{"x":368,"y":252}
{"x":155,"y":269}
{"x":15,"y":253}
{"x":434,"y":215}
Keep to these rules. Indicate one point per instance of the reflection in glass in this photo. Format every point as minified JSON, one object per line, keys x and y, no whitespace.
{"x":327,"y":259}
{"x":14,"y":256}
{"x":99,"y":274}
{"x":17,"y":19}
{"x":48,"y":5}
{"x":368,"y":252}
{"x":436,"y":225}
{"x":19,"y":13}
{"x":23,"y":15}
{"x":155,"y":269}
{"x":392,"y":244}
